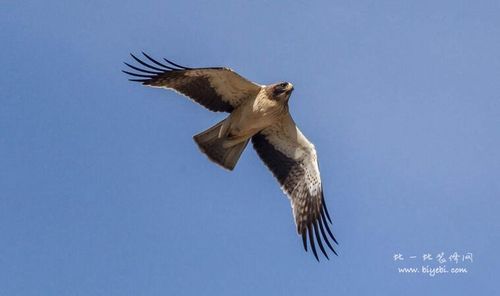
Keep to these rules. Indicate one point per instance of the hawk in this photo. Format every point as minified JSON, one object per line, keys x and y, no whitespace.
{"x":257,"y":113}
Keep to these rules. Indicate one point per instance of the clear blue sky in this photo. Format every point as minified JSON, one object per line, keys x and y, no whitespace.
{"x":103,"y":191}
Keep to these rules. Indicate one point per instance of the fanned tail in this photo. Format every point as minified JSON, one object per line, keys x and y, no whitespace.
{"x":211,"y":143}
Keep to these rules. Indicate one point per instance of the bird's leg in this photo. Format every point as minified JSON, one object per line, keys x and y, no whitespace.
{"x":234,"y":140}
{"x":224,"y":128}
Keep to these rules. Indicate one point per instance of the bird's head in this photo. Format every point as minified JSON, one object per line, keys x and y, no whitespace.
{"x":281,"y":91}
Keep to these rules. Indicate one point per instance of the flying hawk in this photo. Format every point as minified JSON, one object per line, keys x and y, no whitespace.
{"x":258,"y":113}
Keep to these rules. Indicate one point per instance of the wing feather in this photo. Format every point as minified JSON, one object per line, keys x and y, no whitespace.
{"x":292,"y":160}
{"x":217,"y":89}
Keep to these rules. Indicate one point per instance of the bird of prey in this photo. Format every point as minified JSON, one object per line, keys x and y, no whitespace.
{"x":258,"y":113}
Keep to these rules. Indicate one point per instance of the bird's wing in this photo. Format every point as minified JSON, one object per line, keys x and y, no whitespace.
{"x":292,"y":160}
{"x":217,"y":89}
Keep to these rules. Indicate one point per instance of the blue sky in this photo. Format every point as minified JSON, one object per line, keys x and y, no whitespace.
{"x":103,"y":191}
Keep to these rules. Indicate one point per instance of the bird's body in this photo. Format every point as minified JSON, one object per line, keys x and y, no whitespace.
{"x":258,"y":113}
{"x":253,"y":116}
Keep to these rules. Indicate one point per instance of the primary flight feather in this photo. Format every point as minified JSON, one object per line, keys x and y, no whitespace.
{"x":258,"y":113}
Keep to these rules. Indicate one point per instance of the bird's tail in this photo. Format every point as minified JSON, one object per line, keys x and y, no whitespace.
{"x":223,"y":151}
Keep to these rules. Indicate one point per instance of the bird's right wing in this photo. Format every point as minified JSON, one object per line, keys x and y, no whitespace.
{"x":292,"y":160}
{"x":217,"y":89}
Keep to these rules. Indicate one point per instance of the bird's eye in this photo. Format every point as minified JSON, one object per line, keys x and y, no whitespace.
{"x":284,"y":84}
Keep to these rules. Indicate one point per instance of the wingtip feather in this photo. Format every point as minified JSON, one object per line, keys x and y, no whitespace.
{"x":311,"y":242}
{"x":176,"y":65}
{"x":318,"y":239}
{"x":158,"y":63}
{"x":304,"y":240}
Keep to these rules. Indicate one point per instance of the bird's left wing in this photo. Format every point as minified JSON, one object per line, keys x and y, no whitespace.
{"x":292,"y":160}
{"x":217,"y":89}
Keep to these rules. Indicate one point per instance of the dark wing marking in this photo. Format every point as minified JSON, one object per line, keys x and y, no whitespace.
{"x":292,"y":160}
{"x":217,"y":89}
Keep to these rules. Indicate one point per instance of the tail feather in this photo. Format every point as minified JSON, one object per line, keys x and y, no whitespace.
{"x":213,"y":143}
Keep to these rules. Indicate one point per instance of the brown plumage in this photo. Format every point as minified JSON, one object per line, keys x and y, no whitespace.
{"x":258,"y":113}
